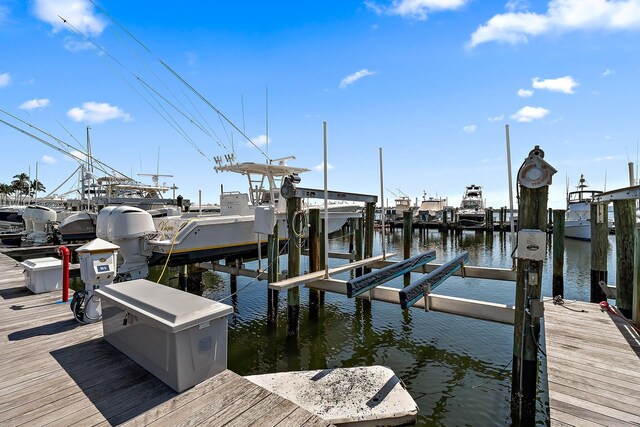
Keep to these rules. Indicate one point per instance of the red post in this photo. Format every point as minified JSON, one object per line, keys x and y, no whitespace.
{"x":66,"y":256}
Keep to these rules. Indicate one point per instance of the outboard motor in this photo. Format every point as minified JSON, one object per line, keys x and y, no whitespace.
{"x":127,"y":227}
{"x":38,"y":224}
{"x":98,"y":266}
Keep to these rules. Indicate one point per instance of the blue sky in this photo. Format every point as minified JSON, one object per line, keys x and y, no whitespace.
{"x":432,"y":82}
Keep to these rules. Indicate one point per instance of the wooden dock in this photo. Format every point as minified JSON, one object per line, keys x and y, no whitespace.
{"x":593,"y":366}
{"x":55,"y":371}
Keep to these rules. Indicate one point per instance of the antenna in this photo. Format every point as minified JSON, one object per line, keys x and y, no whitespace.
{"x":244,"y":129}
{"x":267,"y":120}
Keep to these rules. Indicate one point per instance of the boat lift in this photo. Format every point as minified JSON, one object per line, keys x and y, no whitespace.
{"x":435,"y":274}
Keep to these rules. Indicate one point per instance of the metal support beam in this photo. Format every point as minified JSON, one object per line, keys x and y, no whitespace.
{"x":311,"y":193}
{"x":470,"y":271}
{"x":625,"y":193}
{"x":500,"y":313}
{"x":423,"y":286}
{"x":310,"y":277}
{"x":370,"y":280}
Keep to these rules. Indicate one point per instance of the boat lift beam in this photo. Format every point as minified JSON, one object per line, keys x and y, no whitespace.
{"x":626,"y":193}
{"x":296,"y":281}
{"x":423,"y":286}
{"x":493,"y":312}
{"x":311,"y":193}
{"x":375,"y":278}
{"x":470,"y":271}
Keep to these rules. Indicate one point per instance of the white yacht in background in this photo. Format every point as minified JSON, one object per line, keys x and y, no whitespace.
{"x":431,"y":208}
{"x":472,"y":212}
{"x":577,"y":223}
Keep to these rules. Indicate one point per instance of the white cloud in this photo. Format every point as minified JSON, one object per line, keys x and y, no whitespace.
{"x":496,"y":118}
{"x":355,"y":77}
{"x":34,"y":103}
{"x":78,"y":13}
{"x":259,"y":140}
{"x":48,"y":160}
{"x":561,"y":16}
{"x":525,"y":93}
{"x":516,"y":5}
{"x":5,"y":79}
{"x":561,"y":84}
{"x":528,"y":114}
{"x":320,"y":167}
{"x":76,"y":156}
{"x":94,"y":112}
{"x":73,"y":45}
{"x":608,"y":72}
{"x":470,"y":128}
{"x":416,"y":9}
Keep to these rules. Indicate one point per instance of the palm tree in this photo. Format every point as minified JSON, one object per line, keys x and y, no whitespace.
{"x":36,"y":186}
{"x":5,"y":191}
{"x":20,"y":185}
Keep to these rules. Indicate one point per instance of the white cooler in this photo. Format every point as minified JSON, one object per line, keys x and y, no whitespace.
{"x":42,"y":274}
{"x":179,"y":337}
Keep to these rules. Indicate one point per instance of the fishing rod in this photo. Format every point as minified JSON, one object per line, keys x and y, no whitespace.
{"x":182,"y":80}
{"x":175,"y":124}
{"x":82,"y":157}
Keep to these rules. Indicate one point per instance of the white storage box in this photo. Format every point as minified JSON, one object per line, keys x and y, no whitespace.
{"x":43,"y":274}
{"x":179,"y":337}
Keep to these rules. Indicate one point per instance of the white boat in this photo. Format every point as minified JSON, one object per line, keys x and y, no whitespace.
{"x":191,"y":237}
{"x":577,"y":224}
{"x":431,"y":208}
{"x":472,"y":212}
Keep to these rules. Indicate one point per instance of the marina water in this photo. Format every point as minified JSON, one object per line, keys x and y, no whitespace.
{"x":456,"y":368}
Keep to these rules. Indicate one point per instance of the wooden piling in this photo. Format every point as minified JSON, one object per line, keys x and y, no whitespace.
{"x":314,"y":260}
{"x":532,"y":214}
{"x":233,"y":279}
{"x":273,"y":260}
{"x":358,"y":243}
{"x":599,"y":219}
{"x":636,"y":277}
{"x":624,"y":212}
{"x":550,"y":220}
{"x":369,"y":219}
{"x":294,"y":229}
{"x":323,"y":251}
{"x":182,"y":277}
{"x":406,"y":237}
{"x":503,"y":215}
{"x":558,"y":252}
{"x":195,"y":284}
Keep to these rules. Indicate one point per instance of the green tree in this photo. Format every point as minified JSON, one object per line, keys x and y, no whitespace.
{"x":36,"y":186}
{"x":5,"y":191}
{"x":20,"y":185}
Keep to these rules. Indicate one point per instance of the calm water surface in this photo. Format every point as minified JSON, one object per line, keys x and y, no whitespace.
{"x":456,"y":368}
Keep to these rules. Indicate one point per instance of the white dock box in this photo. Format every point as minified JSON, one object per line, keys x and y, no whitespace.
{"x":179,"y":337}
{"x":43,"y":274}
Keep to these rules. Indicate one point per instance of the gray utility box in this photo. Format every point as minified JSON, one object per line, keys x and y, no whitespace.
{"x":179,"y":337}
{"x":43,"y":274}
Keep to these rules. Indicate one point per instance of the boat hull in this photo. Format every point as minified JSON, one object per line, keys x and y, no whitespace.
{"x":579,"y":230}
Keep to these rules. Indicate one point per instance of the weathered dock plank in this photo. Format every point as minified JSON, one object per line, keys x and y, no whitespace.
{"x":593,"y":366}
{"x":56,"y":372}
